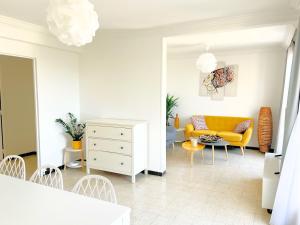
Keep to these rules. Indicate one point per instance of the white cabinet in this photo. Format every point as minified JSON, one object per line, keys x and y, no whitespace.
{"x":118,"y":146}
{"x":270,"y":180}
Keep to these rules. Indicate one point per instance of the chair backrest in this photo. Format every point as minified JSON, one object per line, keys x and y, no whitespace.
{"x":49,"y":176}
{"x":13,"y":166}
{"x":96,"y":186}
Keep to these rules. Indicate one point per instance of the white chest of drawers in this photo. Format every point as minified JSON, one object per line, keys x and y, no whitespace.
{"x":118,"y":146}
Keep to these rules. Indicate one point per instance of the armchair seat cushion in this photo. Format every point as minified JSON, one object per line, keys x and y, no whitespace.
{"x":197,"y":133}
{"x":230,"y":136}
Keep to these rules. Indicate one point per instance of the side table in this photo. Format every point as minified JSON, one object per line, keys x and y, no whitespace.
{"x":67,"y":152}
{"x":187,"y":146}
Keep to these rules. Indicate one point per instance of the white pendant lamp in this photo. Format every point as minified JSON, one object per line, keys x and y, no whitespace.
{"x":73,"y":22}
{"x":206,"y":62}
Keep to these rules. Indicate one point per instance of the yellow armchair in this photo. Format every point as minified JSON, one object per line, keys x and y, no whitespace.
{"x":247,"y":136}
{"x":189,"y":128}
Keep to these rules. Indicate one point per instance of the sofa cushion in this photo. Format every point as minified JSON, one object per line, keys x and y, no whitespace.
{"x":199,"y":123}
{"x":197,"y":133}
{"x":230,"y":136}
{"x":242,"y":126}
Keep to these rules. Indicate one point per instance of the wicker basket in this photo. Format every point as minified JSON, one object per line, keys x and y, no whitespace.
{"x":265,"y":129}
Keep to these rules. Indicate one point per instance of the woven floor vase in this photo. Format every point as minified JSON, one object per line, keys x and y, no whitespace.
{"x":265,"y":129}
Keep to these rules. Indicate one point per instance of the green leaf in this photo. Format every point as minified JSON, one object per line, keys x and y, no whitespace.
{"x":171,"y":103}
{"x":73,"y":128}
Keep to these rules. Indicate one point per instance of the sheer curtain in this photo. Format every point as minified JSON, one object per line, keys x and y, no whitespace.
{"x":286,"y":210}
{"x":288,"y":69}
{"x":293,"y":95}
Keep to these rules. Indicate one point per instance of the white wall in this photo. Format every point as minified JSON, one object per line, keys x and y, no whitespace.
{"x":57,"y":76}
{"x":122,"y":74}
{"x":120,"y":77}
{"x":18,"y":105}
{"x":260,"y":82}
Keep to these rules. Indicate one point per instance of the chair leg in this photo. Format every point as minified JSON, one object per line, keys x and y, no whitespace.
{"x":242,"y":150}
{"x":213,"y":154}
{"x":226,"y":152}
{"x":65,"y":159}
{"x":173,"y":145}
{"x":192,"y":158}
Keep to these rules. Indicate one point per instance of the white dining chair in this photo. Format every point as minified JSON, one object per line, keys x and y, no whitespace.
{"x":13,"y":166}
{"x":49,"y":176}
{"x":96,"y":186}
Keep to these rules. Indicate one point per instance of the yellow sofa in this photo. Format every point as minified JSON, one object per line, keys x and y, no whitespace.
{"x":223,"y":126}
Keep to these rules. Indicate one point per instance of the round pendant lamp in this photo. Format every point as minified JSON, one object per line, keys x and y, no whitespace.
{"x":73,"y":22}
{"x":206,"y":62}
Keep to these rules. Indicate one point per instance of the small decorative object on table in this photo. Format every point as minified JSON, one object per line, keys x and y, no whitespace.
{"x":210,"y":138}
{"x":74,"y":129}
{"x":265,"y":129}
{"x":194,"y":141}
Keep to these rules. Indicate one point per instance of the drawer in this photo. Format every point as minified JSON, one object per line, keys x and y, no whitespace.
{"x":117,"y":133}
{"x":110,"y":162}
{"x":106,"y":145}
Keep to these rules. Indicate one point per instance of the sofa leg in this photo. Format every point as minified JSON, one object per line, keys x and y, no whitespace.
{"x":242,"y":150}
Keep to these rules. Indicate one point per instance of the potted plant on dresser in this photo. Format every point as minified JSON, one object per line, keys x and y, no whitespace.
{"x":74,"y":129}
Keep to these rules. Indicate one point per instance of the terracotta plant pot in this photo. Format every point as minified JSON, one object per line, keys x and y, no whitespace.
{"x":265,"y":129}
{"x":76,"y":144}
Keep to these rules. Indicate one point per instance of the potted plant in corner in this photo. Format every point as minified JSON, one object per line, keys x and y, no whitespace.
{"x":74,"y":129}
{"x":171,"y":103}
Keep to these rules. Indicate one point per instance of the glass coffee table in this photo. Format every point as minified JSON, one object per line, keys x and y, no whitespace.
{"x":213,"y":144}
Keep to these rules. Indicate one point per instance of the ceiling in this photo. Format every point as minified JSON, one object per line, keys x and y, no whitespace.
{"x":279,"y":35}
{"x":135,"y":14}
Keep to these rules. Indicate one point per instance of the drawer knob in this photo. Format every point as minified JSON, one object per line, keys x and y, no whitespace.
{"x":122,"y":163}
{"x":122,"y":134}
{"x":95,"y":144}
{"x":122,"y":147}
{"x":94,"y":131}
{"x":95,"y":159}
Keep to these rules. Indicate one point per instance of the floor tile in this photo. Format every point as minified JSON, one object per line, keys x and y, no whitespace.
{"x":227,"y":193}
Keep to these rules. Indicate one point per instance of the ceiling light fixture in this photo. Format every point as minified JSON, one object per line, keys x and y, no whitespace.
{"x":73,"y":22}
{"x":206,"y":62}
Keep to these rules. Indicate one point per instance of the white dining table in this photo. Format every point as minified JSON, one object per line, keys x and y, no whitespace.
{"x":26,"y":203}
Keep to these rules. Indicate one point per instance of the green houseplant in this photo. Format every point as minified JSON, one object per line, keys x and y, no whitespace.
{"x":171,"y":103}
{"x":74,"y":129}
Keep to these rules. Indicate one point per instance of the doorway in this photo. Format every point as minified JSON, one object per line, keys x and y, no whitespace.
{"x":18,"y":123}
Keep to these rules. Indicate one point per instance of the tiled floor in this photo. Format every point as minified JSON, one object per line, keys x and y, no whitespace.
{"x":227,"y":193}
